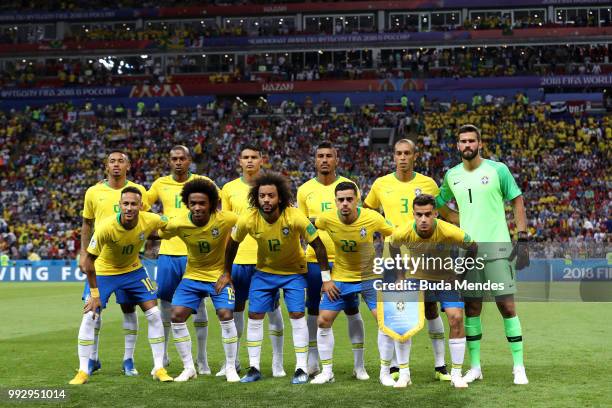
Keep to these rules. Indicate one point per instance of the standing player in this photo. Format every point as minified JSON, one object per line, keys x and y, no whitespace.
{"x":112,"y":262}
{"x":101,"y":201}
{"x":423,"y":238}
{"x":481,"y":187}
{"x":204,"y":230}
{"x":316,"y":197}
{"x":173,"y":252}
{"x":352,"y":230}
{"x":235,"y":198}
{"x":394,"y":194}
{"x":277,"y":227}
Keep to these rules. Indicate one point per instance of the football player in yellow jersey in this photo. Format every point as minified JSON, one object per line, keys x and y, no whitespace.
{"x":394,"y":194}
{"x":204,"y":230}
{"x":435,"y":239}
{"x":234,"y":197}
{"x":172,"y":257}
{"x":351,"y":230}
{"x":112,"y":263}
{"x":277,"y":227}
{"x":101,"y":201}
{"x":316,"y":197}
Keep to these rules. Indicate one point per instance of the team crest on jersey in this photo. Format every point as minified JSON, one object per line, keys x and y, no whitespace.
{"x":400,"y":306}
{"x":363,"y":232}
{"x":484,"y":180}
{"x":215,"y":232}
{"x":285,"y":231}
{"x":141,"y":236}
{"x":417,"y":192}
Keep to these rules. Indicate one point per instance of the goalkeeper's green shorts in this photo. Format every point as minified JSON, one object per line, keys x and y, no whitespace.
{"x":501,"y":275}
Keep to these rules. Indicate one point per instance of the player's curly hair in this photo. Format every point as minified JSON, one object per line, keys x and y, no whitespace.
{"x":285,"y":198}
{"x":200,"y":185}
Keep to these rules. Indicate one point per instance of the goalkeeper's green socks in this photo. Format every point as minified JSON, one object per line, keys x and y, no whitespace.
{"x":514,"y":334}
{"x":473,"y":334}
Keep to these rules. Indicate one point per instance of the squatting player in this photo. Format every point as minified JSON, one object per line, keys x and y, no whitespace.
{"x":204,"y":230}
{"x":352,"y":230}
{"x":277,"y":227}
{"x":112,"y":262}
{"x":481,"y":187}
{"x":173,"y":252}
{"x":422,"y":239}
{"x":235,"y":198}
{"x":394,"y":193}
{"x":101,"y":201}
{"x":316,"y":197}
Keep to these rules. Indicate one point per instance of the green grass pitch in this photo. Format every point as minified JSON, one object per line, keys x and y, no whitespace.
{"x":567,"y":349}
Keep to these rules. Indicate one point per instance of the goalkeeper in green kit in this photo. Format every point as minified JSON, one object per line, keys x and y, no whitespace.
{"x":480,"y":188}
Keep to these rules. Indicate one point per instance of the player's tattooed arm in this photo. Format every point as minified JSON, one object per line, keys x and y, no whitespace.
{"x":396,"y":253}
{"x":93,"y":302}
{"x":230,"y":254}
{"x":321,"y":253}
{"x":86,"y":231}
{"x":328,"y":287}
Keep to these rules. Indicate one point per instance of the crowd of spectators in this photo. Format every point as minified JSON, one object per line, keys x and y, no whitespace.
{"x":408,"y":63}
{"x":50,"y":156}
{"x":82,"y":5}
{"x":192,"y":34}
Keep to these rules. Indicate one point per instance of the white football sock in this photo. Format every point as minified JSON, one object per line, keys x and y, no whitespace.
{"x":313,"y":352}
{"x":165,"y":308}
{"x":457,"y":352}
{"x":254,"y":340}
{"x":275,"y":331}
{"x":356,"y":335}
{"x":300,"y":342}
{"x":182,"y":341}
{"x":96,"y":346}
{"x":130,"y":333}
{"x":230,"y":342}
{"x":403,"y":355}
{"x":239,"y":323}
{"x":325,"y":340}
{"x":200,"y":322}
{"x":385,"y":349}
{"x":436,"y":334}
{"x":86,"y":341}
{"x":156,"y":336}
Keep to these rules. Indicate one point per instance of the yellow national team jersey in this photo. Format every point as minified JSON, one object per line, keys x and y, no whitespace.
{"x":395,"y":197}
{"x":278,"y":245}
{"x":438,"y":246}
{"x":205,"y":245}
{"x":168,"y":192}
{"x":315,"y":199}
{"x":235,"y":198}
{"x":354,"y":243}
{"x":102,"y":201}
{"x":117,"y":248}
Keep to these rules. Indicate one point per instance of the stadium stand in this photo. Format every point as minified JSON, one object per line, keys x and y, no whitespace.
{"x":51,"y":157}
